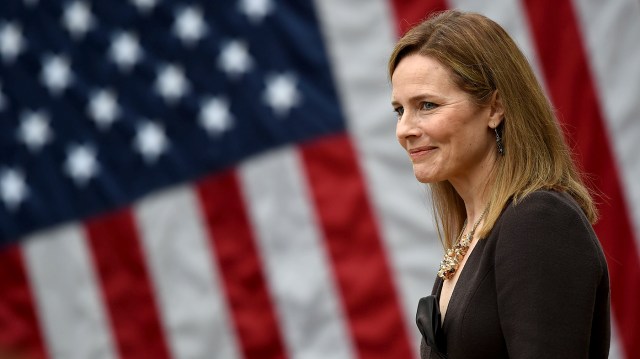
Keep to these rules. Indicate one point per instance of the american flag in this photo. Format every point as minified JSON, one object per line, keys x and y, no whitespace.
{"x":220,"y":179}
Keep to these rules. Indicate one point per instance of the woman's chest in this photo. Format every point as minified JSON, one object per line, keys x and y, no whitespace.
{"x":472,"y":322}
{"x":449,"y":285}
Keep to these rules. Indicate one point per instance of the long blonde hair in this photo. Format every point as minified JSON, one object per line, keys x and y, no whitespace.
{"x":483,"y":60}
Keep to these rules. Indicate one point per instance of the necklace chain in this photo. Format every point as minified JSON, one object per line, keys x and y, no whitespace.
{"x":454,"y":256}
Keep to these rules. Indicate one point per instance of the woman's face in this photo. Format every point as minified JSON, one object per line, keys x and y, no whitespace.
{"x":447,"y":136}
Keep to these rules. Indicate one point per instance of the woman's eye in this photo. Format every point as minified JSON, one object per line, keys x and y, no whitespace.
{"x":398,"y":111}
{"x":428,"y":106}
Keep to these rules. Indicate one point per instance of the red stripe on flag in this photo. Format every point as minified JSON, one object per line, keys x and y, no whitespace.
{"x":355,"y":249}
{"x":20,"y":335}
{"x":125,"y":285}
{"x":566,"y":69}
{"x":240,"y":267}
{"x":411,"y":12}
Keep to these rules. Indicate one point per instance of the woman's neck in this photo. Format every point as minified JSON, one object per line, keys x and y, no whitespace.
{"x":475,"y":190}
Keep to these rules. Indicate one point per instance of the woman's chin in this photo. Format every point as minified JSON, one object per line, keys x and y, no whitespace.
{"x":425,"y":178}
{"x":426,"y":173}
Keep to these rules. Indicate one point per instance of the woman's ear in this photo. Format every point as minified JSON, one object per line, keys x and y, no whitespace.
{"x":496,"y":113}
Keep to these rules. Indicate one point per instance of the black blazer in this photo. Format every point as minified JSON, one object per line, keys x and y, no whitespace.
{"x":536,"y":287}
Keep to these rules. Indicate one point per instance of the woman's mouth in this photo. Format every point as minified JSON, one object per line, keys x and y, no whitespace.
{"x":416,"y":153}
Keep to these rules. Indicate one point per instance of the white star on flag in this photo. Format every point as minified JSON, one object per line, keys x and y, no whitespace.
{"x":81,"y":164}
{"x":144,"y":6}
{"x":11,"y":41}
{"x":256,"y":10}
{"x":125,"y":50}
{"x":189,"y":25}
{"x":215,"y":116}
{"x":103,"y":108}
{"x":171,"y":83}
{"x":56,"y":74}
{"x":234,"y":58}
{"x":78,"y":19}
{"x":281,"y":93}
{"x":150,"y":141}
{"x":34,"y":130}
{"x":13,"y":189}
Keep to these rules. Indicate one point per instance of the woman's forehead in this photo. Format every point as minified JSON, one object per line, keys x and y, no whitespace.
{"x":418,"y":73}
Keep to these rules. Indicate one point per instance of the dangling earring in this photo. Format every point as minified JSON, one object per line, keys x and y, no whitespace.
{"x":499,"y":142}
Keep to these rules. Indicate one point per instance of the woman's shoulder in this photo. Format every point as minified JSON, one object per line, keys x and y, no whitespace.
{"x":545,"y":207}
{"x":544,"y":222}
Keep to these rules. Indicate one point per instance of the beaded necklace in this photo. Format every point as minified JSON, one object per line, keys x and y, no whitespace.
{"x":454,"y":256}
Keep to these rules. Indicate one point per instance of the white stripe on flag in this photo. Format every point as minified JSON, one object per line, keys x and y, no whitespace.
{"x":70,"y":306}
{"x":297,"y":267}
{"x":615,"y":350}
{"x":611,"y":31}
{"x":359,"y":47}
{"x":191,"y":300}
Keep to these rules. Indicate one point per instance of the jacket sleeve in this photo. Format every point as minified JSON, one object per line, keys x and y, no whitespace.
{"x":548,"y":269}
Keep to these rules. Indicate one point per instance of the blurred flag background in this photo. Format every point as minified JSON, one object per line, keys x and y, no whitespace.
{"x":221,"y":179}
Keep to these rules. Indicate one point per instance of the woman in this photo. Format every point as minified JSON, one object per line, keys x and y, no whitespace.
{"x":524,"y":275}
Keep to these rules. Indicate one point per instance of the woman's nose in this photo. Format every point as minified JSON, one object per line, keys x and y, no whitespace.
{"x":406,"y":127}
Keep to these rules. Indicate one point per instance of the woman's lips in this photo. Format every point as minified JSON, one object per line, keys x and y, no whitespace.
{"x":418,"y":152}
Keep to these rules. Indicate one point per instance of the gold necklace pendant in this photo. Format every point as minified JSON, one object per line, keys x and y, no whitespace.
{"x":454,"y":256}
